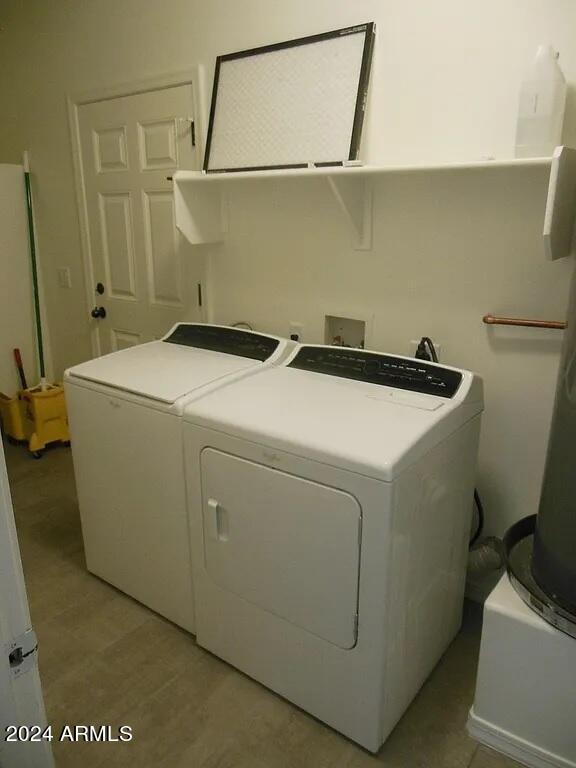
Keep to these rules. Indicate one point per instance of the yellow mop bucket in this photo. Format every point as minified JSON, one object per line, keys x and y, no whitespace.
{"x":13,"y":418}
{"x":45,"y":411}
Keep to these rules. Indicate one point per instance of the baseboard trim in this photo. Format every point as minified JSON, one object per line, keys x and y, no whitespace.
{"x":514,"y":746}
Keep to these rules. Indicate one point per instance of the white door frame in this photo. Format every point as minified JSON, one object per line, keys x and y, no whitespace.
{"x":194,"y":77}
{"x":21,"y":700}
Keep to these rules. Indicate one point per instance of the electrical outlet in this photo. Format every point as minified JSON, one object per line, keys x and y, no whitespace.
{"x":64,"y":277}
{"x":296,"y":329}
{"x":414,"y":347}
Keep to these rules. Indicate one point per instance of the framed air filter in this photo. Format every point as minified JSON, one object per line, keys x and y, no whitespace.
{"x":290,"y":104}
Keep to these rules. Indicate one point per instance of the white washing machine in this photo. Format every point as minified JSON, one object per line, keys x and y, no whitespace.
{"x":330,"y":503}
{"x":125,"y":416}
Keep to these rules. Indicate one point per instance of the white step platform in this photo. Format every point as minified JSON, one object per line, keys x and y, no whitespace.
{"x":525,"y":702}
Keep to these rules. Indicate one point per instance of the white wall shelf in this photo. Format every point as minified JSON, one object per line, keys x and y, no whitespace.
{"x":200,"y":198}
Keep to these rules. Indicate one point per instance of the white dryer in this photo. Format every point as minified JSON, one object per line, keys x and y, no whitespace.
{"x":330,"y":503}
{"x":125,"y":417}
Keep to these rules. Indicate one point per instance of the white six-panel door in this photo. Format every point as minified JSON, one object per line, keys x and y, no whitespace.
{"x":149,"y":274}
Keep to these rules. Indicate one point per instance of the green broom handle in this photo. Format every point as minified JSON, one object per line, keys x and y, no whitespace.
{"x":34,"y":271}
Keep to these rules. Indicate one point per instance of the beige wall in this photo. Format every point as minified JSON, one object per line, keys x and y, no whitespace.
{"x":448,"y":247}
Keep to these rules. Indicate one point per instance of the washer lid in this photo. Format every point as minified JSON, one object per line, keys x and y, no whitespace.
{"x":374,"y":429}
{"x":174,"y":367}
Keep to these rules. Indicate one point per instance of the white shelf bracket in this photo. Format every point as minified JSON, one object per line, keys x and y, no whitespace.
{"x":560,"y":217}
{"x":200,"y":213}
{"x":354,"y":196}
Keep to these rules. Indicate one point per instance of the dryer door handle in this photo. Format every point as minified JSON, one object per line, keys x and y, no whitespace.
{"x":217,"y":521}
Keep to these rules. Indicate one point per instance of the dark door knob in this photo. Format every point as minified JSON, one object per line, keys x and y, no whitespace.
{"x":98,"y":313}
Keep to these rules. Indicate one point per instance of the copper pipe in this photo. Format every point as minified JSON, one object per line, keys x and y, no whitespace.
{"x":495,"y":320}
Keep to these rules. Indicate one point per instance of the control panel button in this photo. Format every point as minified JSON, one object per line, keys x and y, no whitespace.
{"x":230,"y":341}
{"x":376,"y":368}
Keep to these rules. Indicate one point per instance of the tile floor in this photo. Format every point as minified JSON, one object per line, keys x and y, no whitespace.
{"x":105,"y":659}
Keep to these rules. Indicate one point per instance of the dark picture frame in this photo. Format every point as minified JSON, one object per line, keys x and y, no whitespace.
{"x":368,"y":30}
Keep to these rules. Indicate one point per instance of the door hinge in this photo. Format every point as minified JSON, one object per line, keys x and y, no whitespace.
{"x":193,"y":132}
{"x":22,"y":652}
{"x":199,"y":294}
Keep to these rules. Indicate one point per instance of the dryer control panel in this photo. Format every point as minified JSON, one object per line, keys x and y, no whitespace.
{"x":374,"y":368}
{"x":230,"y":341}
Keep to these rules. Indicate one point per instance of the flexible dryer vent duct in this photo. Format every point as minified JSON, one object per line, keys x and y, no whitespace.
{"x":554,"y":559}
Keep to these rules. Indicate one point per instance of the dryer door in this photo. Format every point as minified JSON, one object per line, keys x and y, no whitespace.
{"x":288,"y":545}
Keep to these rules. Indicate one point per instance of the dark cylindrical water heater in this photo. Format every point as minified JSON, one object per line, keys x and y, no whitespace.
{"x":554,"y":556}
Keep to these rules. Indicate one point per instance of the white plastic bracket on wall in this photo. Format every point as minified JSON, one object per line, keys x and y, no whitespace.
{"x":200,"y":212}
{"x":560,"y":217}
{"x":354,"y":196}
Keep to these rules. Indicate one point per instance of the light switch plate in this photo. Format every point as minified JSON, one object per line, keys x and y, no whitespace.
{"x":64,"y":277}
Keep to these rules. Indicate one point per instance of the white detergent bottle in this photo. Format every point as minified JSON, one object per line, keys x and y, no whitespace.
{"x":541,"y":108}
